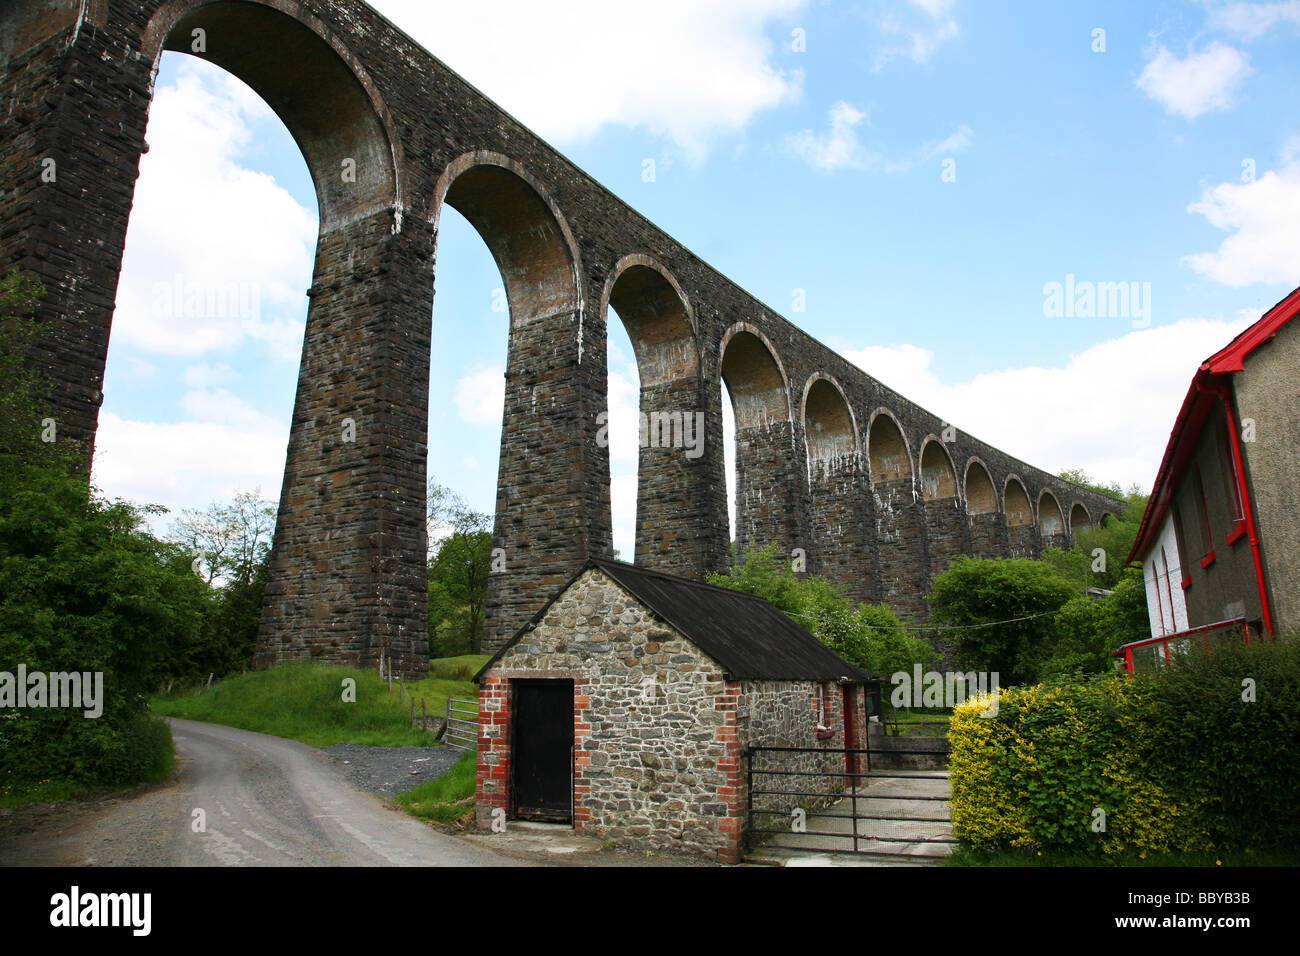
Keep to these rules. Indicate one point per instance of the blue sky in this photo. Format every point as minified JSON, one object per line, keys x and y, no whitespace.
{"x":921,"y":171}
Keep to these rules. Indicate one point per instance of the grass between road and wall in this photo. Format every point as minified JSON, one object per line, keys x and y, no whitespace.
{"x":450,"y":798}
{"x":303,"y":701}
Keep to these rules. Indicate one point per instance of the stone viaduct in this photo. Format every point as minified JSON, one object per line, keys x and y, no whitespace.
{"x":877,"y":492}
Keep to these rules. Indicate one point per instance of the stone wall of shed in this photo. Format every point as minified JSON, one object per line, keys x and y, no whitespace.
{"x":656,"y":763}
{"x":784,"y":714}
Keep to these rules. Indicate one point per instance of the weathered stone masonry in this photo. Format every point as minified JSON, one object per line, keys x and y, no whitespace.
{"x":347,"y":576}
{"x":660,"y":731}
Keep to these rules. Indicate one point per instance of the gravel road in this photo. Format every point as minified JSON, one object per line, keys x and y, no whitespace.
{"x":266,"y":801}
{"x":391,"y":770}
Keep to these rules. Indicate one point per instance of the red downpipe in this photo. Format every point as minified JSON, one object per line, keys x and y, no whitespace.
{"x":1225,"y":396}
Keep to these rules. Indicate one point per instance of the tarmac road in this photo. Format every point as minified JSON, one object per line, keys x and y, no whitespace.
{"x":266,"y":801}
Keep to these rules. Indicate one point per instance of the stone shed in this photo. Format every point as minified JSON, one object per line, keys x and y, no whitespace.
{"x":625,"y":707}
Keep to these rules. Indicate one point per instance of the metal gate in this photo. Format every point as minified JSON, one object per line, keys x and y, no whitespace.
{"x":845,"y":806}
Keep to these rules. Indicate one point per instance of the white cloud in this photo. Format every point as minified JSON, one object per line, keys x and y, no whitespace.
{"x":204,"y":375}
{"x":1108,"y":410}
{"x":217,"y":256}
{"x":1197,"y":84}
{"x":624,"y":448}
{"x":1264,"y":218}
{"x":916,"y":37}
{"x":481,"y":395}
{"x":840,"y":147}
{"x":188,"y":464}
{"x":1252,"y":20}
{"x":686,"y":71}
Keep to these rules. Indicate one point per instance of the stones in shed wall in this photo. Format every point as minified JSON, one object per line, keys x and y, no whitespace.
{"x":784,"y":714}
{"x":651,"y":769}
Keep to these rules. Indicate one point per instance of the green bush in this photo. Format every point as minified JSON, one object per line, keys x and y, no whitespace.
{"x":1001,"y":613}
{"x":83,"y":588}
{"x":867,"y":635}
{"x":1177,"y":760}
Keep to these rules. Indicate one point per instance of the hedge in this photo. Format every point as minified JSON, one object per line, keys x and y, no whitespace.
{"x":1191,"y":758}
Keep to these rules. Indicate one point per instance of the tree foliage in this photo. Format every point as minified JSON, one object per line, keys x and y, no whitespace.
{"x":85,"y":587}
{"x":867,"y":635}
{"x":232,"y":544}
{"x":1001,"y":610}
{"x":458,"y":573}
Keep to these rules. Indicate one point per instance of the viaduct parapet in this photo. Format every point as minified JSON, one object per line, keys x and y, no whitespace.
{"x":878,"y":493}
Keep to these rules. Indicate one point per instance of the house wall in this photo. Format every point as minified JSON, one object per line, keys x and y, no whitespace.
{"x":1268,"y":394}
{"x":1226,"y":586}
{"x":1165,"y":602}
{"x":656,"y":752}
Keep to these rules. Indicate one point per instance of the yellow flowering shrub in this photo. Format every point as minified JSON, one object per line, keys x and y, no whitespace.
{"x":1067,"y":768}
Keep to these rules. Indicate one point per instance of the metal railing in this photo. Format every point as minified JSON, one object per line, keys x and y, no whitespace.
{"x":844,"y":789}
{"x":1154,"y":652}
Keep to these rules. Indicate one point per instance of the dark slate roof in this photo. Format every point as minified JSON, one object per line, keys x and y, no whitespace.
{"x":750,"y":638}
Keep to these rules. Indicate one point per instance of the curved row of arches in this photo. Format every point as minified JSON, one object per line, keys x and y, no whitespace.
{"x":538,"y":256}
{"x":386,"y":147}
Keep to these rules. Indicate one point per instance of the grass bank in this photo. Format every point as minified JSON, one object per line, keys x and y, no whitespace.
{"x":448,"y":677}
{"x":303,"y":701}
{"x":449,"y":799}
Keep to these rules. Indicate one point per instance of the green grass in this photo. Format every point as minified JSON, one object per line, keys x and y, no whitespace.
{"x":302,"y":701}
{"x":45,"y":791}
{"x":448,"y":677}
{"x":913,"y":721}
{"x":966,"y":856}
{"x":448,"y":799}
{"x":461,"y":668}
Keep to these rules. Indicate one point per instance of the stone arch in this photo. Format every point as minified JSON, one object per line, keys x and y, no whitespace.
{"x":523,"y":228}
{"x":1106,"y":519}
{"x":1050,"y":519}
{"x":1079,"y":517}
{"x":673,"y":493}
{"x":938,"y":475}
{"x":309,"y":78}
{"x":888,"y":452}
{"x":658,"y":318}
{"x":981,"y":496}
{"x":1015,"y":503}
{"x":829,"y":425}
{"x":755,"y":377}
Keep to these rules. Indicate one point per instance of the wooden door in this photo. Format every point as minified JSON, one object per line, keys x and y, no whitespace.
{"x":542,"y":750}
